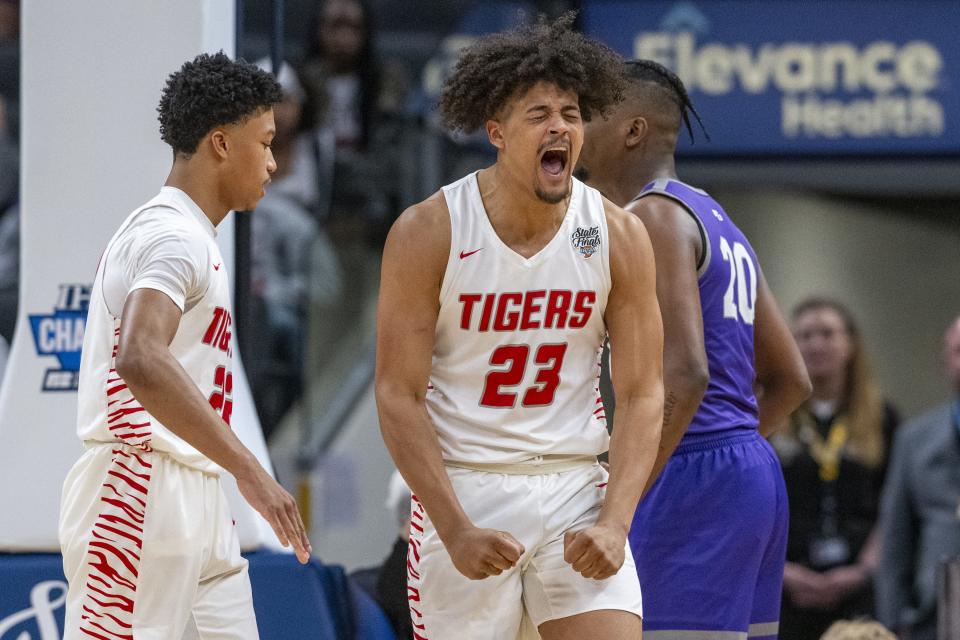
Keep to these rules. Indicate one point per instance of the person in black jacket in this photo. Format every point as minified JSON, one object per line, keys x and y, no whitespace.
{"x":834,"y":451}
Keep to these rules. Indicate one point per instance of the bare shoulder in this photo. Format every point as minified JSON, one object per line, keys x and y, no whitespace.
{"x":422,"y":233}
{"x":428,"y":220}
{"x":627,"y":231}
{"x":665,"y":213}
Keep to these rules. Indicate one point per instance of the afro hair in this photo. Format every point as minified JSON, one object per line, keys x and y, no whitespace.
{"x":211,"y":91}
{"x":496,"y":67}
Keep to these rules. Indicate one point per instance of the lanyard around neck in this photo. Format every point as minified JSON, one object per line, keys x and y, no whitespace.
{"x":827,"y":451}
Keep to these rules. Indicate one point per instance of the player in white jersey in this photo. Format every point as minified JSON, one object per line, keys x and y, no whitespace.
{"x":496,"y":296}
{"x":147,"y":538}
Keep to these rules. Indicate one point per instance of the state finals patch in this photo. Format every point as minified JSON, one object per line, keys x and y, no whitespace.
{"x":586,"y":241}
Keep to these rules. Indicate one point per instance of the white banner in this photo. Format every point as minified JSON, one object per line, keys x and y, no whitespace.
{"x":92,"y":73}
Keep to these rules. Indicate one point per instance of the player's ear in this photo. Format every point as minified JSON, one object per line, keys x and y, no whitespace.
{"x":495,"y":133}
{"x":218,"y":143}
{"x":637,"y":133}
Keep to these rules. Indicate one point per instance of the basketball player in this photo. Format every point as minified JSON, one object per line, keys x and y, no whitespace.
{"x":709,"y":537}
{"x":148,"y":541}
{"x":496,"y":295}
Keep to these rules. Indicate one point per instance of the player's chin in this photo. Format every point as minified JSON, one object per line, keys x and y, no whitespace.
{"x":253,"y":201}
{"x":554,"y":191}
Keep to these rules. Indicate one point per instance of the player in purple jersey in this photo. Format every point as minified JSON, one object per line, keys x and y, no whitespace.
{"x":709,"y":538}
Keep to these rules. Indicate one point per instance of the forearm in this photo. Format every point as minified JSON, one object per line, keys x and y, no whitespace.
{"x":412,"y":441}
{"x":168,"y":393}
{"x":633,"y":450}
{"x":777,"y":399}
{"x":680,"y":404}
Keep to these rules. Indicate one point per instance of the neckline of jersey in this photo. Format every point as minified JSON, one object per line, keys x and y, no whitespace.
{"x":502,"y":246}
{"x":193,"y":207}
{"x":661,"y":183}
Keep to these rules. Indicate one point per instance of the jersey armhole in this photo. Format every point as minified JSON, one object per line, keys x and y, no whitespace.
{"x":449,"y":274}
{"x":704,"y":261}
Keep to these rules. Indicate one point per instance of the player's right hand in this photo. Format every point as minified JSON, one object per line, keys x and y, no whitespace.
{"x":279,"y":509}
{"x":480,"y":553}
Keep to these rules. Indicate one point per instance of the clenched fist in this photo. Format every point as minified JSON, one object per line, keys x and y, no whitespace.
{"x":595,"y":552}
{"x":479,"y":553}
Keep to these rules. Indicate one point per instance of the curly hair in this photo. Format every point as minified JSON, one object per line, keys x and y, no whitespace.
{"x":496,"y":67}
{"x":211,"y":91}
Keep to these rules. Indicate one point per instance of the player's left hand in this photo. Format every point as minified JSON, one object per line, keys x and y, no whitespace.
{"x":595,"y":552}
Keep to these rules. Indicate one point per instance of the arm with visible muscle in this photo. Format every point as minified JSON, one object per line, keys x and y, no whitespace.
{"x":782,"y":380}
{"x":161,"y":385}
{"x":676,"y":244}
{"x":636,"y":341}
{"x":414,"y":261}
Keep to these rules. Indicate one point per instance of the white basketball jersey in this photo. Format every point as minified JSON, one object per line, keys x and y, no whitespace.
{"x":107,"y":410}
{"x":516,"y":362}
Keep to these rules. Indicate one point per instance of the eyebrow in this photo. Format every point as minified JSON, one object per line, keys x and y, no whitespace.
{"x":543,"y":107}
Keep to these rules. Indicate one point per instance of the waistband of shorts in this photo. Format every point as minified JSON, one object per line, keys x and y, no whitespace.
{"x":715,"y":440}
{"x":94,"y":444}
{"x":90,"y":444}
{"x":540,"y":465}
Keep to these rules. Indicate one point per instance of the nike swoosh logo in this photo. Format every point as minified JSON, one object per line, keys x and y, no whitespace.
{"x":216,"y":267}
{"x":467,"y":254}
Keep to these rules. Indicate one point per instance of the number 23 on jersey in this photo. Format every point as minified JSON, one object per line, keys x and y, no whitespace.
{"x":500,"y":387}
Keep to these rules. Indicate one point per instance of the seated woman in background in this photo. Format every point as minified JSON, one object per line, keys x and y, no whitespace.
{"x":834,"y":451}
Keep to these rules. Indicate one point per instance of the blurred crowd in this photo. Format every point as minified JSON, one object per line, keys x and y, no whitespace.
{"x":875,"y":505}
{"x":9,"y":166}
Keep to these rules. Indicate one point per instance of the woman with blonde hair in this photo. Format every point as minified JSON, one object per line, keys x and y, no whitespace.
{"x":834,"y":452}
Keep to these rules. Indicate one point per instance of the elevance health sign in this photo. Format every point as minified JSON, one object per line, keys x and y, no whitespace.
{"x":878,"y":77}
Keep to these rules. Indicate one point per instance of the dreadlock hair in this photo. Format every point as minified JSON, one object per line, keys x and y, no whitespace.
{"x":656,"y":73}
{"x":211,"y":91}
{"x":498,"y":66}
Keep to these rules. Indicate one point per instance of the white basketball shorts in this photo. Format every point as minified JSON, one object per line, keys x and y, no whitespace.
{"x":537,"y":510}
{"x":149,"y":550}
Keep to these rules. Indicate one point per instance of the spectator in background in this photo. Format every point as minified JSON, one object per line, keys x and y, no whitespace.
{"x":9,"y":271}
{"x":9,"y":69}
{"x":340,"y":73}
{"x":341,"y":76}
{"x":9,"y":165}
{"x":284,"y":233}
{"x":920,"y":518}
{"x":834,"y":452}
{"x":391,"y":587}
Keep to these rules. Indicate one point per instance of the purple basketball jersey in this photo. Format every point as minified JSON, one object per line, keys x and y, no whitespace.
{"x":728,"y":295}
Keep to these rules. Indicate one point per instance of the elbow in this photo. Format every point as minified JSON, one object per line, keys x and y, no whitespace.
{"x":801,"y":386}
{"x":688,"y":380}
{"x":393,"y":404}
{"x":131,"y":365}
{"x":387,"y":394}
{"x":791,"y":388}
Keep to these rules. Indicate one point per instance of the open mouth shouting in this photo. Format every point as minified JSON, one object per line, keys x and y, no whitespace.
{"x":554,"y":160}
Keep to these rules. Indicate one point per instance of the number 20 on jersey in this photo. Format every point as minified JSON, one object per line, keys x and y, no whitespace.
{"x":740,"y":298}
